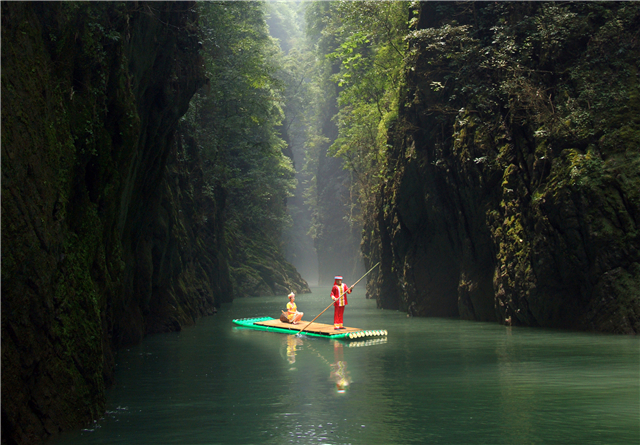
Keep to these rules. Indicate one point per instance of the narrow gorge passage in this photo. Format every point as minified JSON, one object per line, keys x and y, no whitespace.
{"x":165,"y":164}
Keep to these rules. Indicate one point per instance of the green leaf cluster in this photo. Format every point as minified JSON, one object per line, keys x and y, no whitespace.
{"x":519,"y":61}
{"x":236,"y":116}
{"x":361,"y":49}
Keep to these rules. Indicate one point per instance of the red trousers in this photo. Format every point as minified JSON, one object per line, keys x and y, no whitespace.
{"x":337,"y":316}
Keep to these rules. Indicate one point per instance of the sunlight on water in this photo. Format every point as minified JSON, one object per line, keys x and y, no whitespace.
{"x":430,"y":381}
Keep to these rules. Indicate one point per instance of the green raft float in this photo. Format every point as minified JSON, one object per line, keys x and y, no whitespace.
{"x":310,"y":329}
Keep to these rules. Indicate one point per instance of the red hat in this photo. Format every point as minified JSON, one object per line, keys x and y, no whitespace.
{"x":336,"y":279}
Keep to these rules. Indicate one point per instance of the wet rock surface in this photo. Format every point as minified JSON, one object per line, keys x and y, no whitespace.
{"x":97,"y":251}
{"x":497,"y":209}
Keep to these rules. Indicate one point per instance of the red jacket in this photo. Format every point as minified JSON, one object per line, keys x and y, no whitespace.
{"x":336,"y":291}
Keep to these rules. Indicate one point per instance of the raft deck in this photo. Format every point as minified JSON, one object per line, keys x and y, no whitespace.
{"x":314,"y":329}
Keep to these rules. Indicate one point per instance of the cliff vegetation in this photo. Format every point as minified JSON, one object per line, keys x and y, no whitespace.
{"x":117,"y":220}
{"x":510,"y":187}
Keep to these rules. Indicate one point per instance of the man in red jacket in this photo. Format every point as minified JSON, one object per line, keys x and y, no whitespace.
{"x":339,"y":295}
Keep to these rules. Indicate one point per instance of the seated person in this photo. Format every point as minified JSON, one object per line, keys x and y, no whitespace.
{"x":292,"y":310}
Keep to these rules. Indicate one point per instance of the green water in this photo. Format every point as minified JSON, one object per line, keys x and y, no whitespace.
{"x":432,"y":381}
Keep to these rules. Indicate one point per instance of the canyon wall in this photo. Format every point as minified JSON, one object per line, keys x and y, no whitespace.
{"x":512,"y":191}
{"x":106,"y":233}
{"x":336,"y":219}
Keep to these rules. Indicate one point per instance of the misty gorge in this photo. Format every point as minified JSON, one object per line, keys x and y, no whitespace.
{"x":161,"y":160}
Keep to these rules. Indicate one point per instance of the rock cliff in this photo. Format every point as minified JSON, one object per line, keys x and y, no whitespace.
{"x":107,"y":234}
{"x":335,"y":230}
{"x":512,"y":191}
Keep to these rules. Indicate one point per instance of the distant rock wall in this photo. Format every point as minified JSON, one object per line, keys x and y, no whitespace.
{"x":336,"y":232}
{"x":258,"y":266}
{"x":260,"y":270}
{"x":512,"y":192}
{"x":185,"y":269}
{"x":107,"y":233}
{"x":336,"y":239}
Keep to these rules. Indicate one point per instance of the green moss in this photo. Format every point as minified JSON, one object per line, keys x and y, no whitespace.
{"x":78,"y":318}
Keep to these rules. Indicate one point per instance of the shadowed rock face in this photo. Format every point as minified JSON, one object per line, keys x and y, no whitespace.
{"x":106,"y":232}
{"x":110,"y":228}
{"x":500,"y":206}
{"x":336,"y":239}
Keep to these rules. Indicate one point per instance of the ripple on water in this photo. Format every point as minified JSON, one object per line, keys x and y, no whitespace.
{"x":430,"y":381}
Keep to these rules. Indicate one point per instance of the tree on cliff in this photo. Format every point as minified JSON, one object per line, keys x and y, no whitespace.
{"x":92,"y":94}
{"x":511,"y":192}
{"x":236,"y":121}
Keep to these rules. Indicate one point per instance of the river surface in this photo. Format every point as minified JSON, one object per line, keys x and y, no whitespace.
{"x":431,"y":381}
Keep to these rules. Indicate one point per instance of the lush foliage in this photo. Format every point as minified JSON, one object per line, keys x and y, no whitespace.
{"x":363,"y":45}
{"x":236,"y":120}
{"x":296,"y":69}
{"x":522,"y":139}
{"x":520,"y":58}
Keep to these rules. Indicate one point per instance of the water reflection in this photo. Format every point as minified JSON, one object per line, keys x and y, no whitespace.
{"x":339,"y":373}
{"x":432,"y":381}
{"x":367,"y":342}
{"x":293,"y":344}
{"x":517,"y":395}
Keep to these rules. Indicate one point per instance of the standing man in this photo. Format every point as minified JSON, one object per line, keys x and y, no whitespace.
{"x":339,"y":295}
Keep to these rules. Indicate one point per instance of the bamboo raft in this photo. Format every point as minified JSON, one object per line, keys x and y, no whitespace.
{"x":313,"y":330}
